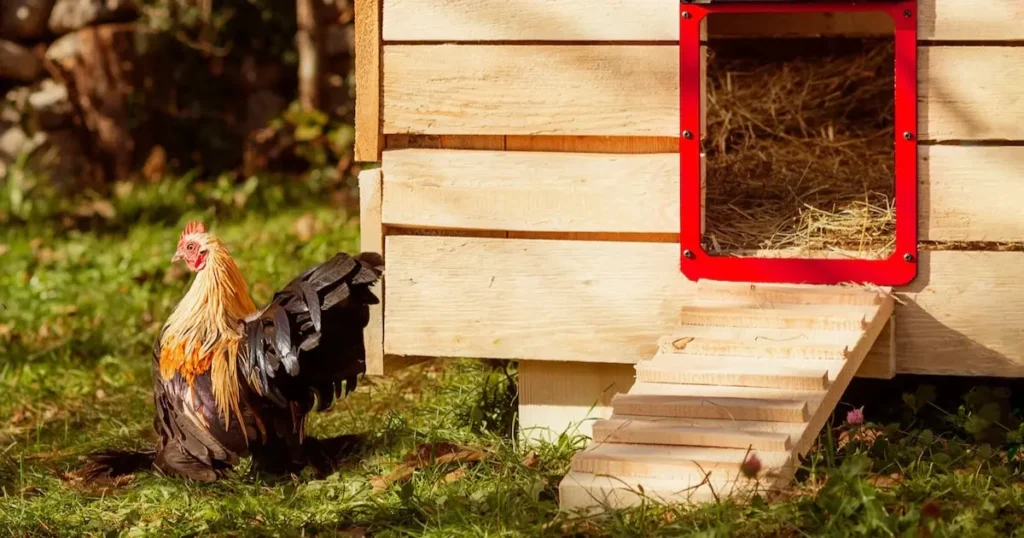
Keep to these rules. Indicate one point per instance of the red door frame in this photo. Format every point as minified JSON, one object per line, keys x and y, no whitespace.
{"x":898,"y":269}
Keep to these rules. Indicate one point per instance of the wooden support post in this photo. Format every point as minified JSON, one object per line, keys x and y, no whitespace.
{"x":567,"y":397}
{"x":369,"y":138}
{"x":371,"y":239}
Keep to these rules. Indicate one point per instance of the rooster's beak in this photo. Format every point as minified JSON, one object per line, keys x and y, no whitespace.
{"x":177,"y":256}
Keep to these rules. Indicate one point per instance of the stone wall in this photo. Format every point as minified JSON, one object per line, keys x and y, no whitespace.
{"x":37,"y":118}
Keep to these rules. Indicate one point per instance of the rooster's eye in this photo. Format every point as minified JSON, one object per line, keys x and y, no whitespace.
{"x":190,"y":247}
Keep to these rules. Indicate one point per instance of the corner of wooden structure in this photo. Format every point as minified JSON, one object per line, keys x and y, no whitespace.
{"x":880,"y":362}
{"x":369,"y":137}
{"x":371,"y":239}
{"x":567,"y":397}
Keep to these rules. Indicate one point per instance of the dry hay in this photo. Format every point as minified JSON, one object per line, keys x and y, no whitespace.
{"x":800,"y":148}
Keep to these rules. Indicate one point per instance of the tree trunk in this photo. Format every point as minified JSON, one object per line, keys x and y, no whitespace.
{"x":308,"y":41}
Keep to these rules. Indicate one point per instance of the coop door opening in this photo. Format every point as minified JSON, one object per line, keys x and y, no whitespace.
{"x":799,"y":146}
{"x":799,"y":135}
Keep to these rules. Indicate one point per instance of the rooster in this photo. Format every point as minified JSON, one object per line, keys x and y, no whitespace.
{"x":231,"y":380}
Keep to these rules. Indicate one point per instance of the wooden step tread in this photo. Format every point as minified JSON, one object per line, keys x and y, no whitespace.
{"x":674,"y":462}
{"x":679,"y":360}
{"x":688,"y":345}
{"x":769,"y":334}
{"x":646,"y":431}
{"x":733,"y":371}
{"x":720,"y":408}
{"x":727,"y":391}
{"x":836,"y":318}
{"x":583,"y":491}
{"x":790,"y":294}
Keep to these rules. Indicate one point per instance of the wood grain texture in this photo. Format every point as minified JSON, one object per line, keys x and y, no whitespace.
{"x":531,"y":20}
{"x":368,"y":143}
{"x":967,"y":193}
{"x":567,"y":192}
{"x":971,"y":93}
{"x":609,"y":302}
{"x":371,"y":239}
{"x":567,"y":397}
{"x":881,"y":360}
{"x":657,"y":20}
{"x":532,"y":90}
{"x":969,"y":20}
{"x":971,"y":193}
{"x":966,"y":92}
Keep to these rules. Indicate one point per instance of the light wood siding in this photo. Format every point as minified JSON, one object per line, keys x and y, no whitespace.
{"x":598,"y":301}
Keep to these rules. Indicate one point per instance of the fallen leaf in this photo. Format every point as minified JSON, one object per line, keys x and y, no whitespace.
{"x":399,"y":474}
{"x":427,"y":453}
{"x":532,"y":460}
{"x":863,"y":435}
{"x":18,"y":417}
{"x":455,"y":475}
{"x":462,"y":456}
{"x":681,"y":343}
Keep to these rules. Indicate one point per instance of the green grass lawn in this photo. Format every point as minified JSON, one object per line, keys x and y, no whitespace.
{"x":85,"y":288}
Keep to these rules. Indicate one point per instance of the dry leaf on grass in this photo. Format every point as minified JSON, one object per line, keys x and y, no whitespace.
{"x":399,"y":474}
{"x":532,"y":460}
{"x":455,"y":475}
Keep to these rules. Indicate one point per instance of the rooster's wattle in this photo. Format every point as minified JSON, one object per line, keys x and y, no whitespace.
{"x":231,"y":380}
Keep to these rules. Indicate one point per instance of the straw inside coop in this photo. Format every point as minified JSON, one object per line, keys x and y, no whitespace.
{"x":800,"y":148}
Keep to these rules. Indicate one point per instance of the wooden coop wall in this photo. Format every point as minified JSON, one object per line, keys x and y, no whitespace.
{"x":527,"y":199}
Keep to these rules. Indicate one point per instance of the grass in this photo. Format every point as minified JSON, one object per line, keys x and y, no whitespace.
{"x":84,"y":297}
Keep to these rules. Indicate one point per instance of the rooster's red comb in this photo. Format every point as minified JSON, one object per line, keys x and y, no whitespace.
{"x":194,"y":227}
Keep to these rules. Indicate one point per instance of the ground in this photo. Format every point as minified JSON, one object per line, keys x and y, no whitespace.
{"x":85,"y":286}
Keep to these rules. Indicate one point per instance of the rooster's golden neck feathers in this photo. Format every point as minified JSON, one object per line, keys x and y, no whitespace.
{"x":205,"y":330}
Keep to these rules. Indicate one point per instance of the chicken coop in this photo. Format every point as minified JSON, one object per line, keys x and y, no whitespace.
{"x":693,"y":223}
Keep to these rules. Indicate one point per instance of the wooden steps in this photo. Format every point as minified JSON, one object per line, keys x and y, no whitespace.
{"x":752,"y":371}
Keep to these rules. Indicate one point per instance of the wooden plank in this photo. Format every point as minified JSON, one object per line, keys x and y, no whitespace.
{"x":488,"y":190}
{"x":371,"y":239}
{"x":969,"y":20}
{"x":567,"y":397}
{"x":736,"y":371}
{"x":967,"y":192}
{"x":369,"y":141}
{"x":609,"y":302}
{"x":670,"y":461}
{"x":633,"y":90}
{"x":971,"y":193}
{"x":540,"y":300}
{"x":971,"y":93}
{"x":961,"y":316}
{"x":605,"y":20}
{"x":586,"y":491}
{"x":532,"y":90}
{"x":727,"y":391}
{"x":681,"y":344}
{"x":881,"y":360}
{"x":642,"y":430}
{"x":531,"y":20}
{"x":716,"y":408}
